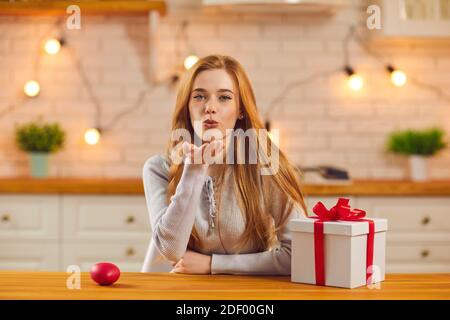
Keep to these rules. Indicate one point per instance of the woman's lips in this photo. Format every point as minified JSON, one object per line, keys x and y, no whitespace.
{"x":210,"y":124}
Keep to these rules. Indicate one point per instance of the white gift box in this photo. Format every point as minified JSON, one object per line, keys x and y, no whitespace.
{"x":345,"y":248}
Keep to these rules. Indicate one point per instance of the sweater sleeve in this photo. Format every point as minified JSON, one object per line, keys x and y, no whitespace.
{"x":172,"y":222}
{"x":276,"y":261}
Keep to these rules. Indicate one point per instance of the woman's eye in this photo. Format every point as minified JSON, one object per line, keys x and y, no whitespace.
{"x":224,"y":98}
{"x":198,"y":97}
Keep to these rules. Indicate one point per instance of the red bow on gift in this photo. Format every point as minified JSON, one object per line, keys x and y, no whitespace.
{"x":341,"y":211}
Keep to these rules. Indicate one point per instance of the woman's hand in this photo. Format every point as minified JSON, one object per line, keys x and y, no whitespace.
{"x":193,"y":263}
{"x":206,"y":153}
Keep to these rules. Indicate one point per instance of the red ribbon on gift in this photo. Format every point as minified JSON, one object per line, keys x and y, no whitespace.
{"x":341,"y":211}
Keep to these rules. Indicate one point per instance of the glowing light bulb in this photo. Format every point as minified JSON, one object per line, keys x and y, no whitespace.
{"x":92,"y":136}
{"x":52,"y":46}
{"x":398,"y":78}
{"x":32,"y":88}
{"x":190,"y":61}
{"x":355,"y":82}
{"x":267,"y":125}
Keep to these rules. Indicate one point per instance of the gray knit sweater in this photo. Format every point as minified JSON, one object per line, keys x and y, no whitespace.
{"x":194,"y":204}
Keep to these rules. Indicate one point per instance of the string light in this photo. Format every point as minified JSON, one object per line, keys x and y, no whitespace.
{"x":398,"y":77}
{"x":92,"y":136}
{"x":190,"y":61}
{"x":354,"y":81}
{"x":32,"y":88}
{"x":182,"y":44}
{"x":53,"y":46}
{"x":267,"y":126}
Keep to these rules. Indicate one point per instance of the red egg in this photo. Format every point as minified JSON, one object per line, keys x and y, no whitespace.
{"x":105,"y":273}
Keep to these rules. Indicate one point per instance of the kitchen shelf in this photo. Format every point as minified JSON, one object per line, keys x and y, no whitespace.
{"x":111,"y":7}
{"x":130,"y":186}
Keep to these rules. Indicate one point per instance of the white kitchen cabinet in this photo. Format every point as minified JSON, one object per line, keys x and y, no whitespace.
{"x":414,"y":214}
{"x":415,"y":18}
{"x":29,"y":256}
{"x":418,"y":237}
{"x":105,"y":228}
{"x":105,"y":217}
{"x":418,"y":258}
{"x":128,"y":255}
{"x":29,"y":217}
{"x":52,"y":232}
{"x":29,"y":232}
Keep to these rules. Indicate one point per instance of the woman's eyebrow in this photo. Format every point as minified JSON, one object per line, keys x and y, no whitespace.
{"x":225,"y":90}
{"x":199,"y":89}
{"x":220,"y":90}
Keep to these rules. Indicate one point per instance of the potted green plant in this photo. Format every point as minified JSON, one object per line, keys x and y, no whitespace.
{"x":39,"y":140}
{"x":419,"y":145}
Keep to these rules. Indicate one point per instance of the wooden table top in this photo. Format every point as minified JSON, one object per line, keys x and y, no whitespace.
{"x":134,"y":186}
{"x":172,"y":286}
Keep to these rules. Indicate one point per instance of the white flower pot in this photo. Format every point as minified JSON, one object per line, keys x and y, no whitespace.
{"x":418,"y":168}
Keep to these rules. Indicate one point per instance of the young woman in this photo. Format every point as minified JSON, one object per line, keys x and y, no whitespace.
{"x":222,"y":215}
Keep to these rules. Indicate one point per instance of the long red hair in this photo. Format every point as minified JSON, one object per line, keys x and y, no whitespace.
{"x":260,"y":227}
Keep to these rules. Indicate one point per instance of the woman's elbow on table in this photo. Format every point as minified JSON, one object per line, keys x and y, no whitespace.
{"x":170,"y":249}
{"x":284,"y":260}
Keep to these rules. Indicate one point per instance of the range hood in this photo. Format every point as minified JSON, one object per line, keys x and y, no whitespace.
{"x":275,"y":6}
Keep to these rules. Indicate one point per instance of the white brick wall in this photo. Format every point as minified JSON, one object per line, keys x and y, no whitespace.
{"x":321,"y":122}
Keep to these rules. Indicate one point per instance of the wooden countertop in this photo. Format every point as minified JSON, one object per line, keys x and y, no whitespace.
{"x":110,"y":7}
{"x":134,"y":186}
{"x":172,"y":286}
